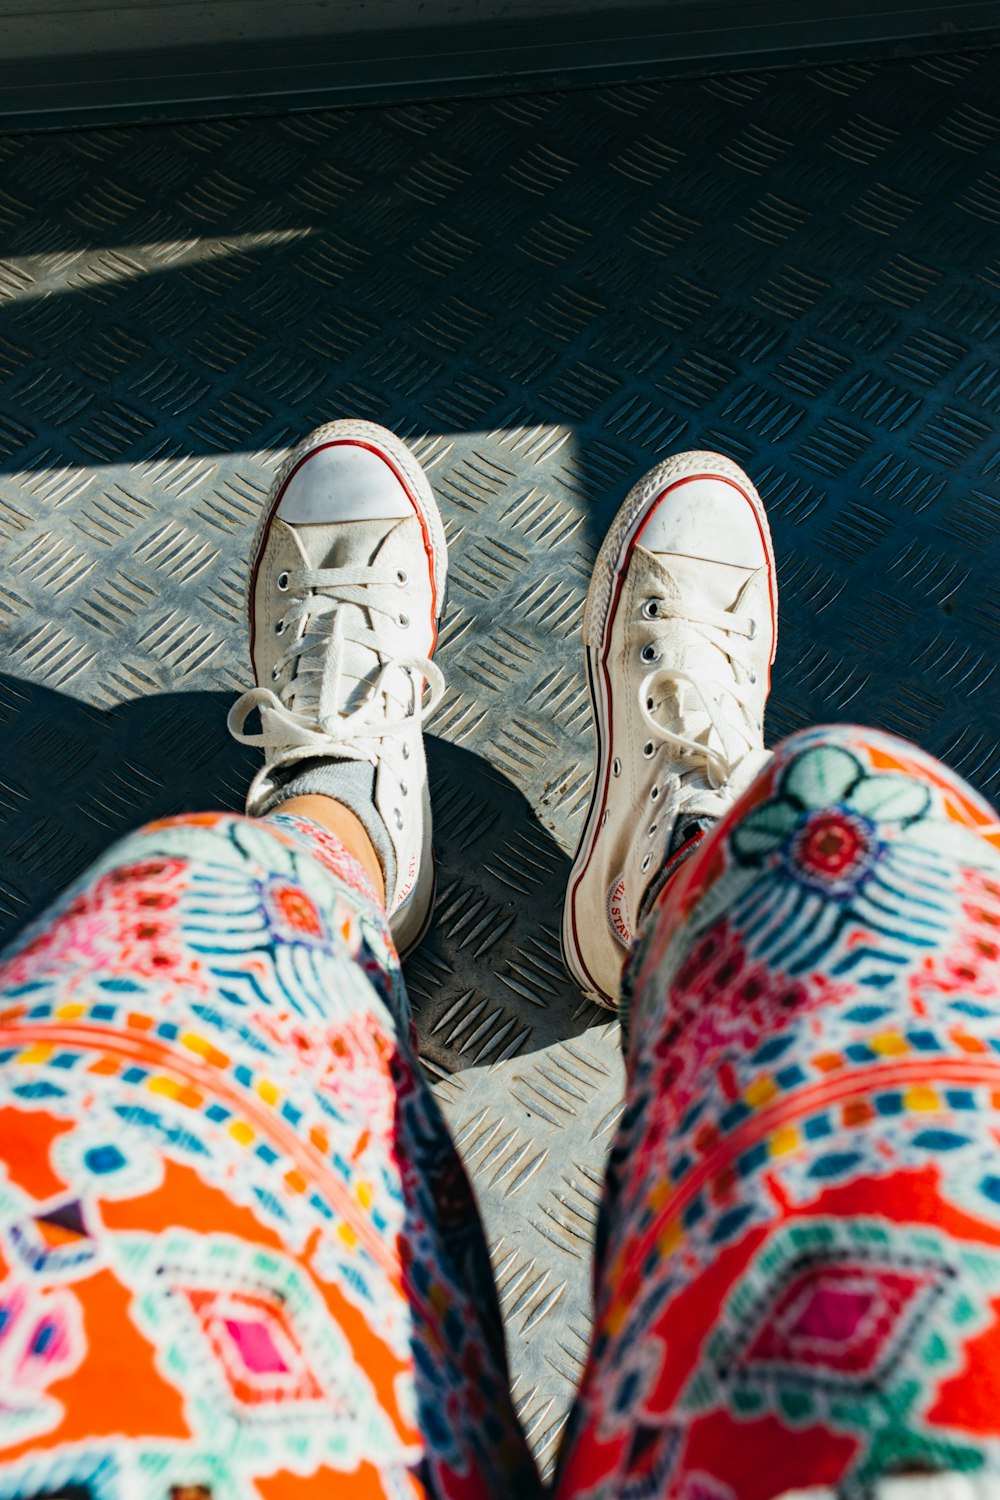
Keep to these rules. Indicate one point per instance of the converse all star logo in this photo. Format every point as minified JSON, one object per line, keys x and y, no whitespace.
{"x":408,"y":883}
{"x":618,"y":912}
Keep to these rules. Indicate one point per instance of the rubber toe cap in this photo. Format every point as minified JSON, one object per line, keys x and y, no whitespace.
{"x":706,"y":517}
{"x":343,"y":482}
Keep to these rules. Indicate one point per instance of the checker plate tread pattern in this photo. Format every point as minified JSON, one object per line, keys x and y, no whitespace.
{"x":544,"y":295}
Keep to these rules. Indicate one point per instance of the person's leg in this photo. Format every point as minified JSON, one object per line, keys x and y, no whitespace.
{"x":798,"y":1260}
{"x":239,"y":1250}
{"x":798,"y":1277}
{"x":240,"y":1255}
{"x":347,"y":827}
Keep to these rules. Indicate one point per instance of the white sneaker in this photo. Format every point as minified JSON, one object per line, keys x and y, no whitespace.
{"x":345,"y":593}
{"x":680,"y":628}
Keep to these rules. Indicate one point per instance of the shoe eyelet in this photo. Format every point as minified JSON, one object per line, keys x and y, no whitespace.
{"x":282,"y":581}
{"x":404,"y":621}
{"x":646,"y":863}
{"x":275,"y":673}
{"x":401,"y":577}
{"x":753,"y":676}
{"x":652,"y":829}
{"x":752,"y":631}
{"x":279,"y":628}
{"x":654,"y":794}
{"x":649,"y":749}
{"x":616,"y":767}
{"x":406,"y":752}
{"x":604,"y":817}
{"x":397,"y":818}
{"x":651,"y":609}
{"x":649,"y":703}
{"x":404,"y":790}
{"x":649,"y":653}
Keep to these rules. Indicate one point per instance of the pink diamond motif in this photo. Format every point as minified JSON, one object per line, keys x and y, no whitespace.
{"x":256,"y":1346}
{"x":838,"y":1318}
{"x":832,"y":1315}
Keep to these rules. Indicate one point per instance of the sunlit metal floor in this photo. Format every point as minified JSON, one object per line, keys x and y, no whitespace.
{"x":544,"y":294}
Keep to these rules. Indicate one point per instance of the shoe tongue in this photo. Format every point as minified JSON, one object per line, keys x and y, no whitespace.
{"x":705,"y":587}
{"x":348,"y":545}
{"x":712,"y":584}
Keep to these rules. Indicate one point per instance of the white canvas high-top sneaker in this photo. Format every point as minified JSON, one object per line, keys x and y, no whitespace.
{"x":345,"y":593}
{"x":680,"y":628}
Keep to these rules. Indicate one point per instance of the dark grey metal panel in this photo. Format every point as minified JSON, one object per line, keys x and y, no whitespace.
{"x":63,"y":28}
{"x":70,"y":61}
{"x":546,"y":294}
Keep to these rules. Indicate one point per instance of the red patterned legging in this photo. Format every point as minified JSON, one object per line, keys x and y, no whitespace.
{"x":240,"y":1257}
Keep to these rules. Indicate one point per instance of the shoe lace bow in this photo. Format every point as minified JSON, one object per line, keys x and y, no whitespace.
{"x":333,"y":608}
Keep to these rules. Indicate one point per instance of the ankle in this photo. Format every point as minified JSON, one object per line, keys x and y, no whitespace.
{"x":347,"y":827}
{"x":353,"y":786}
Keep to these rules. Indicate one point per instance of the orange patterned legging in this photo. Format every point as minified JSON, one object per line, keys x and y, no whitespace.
{"x":240,"y":1256}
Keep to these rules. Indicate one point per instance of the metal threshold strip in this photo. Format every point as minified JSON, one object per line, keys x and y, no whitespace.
{"x":179,"y":60}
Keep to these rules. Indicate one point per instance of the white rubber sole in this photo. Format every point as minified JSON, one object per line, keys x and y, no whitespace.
{"x":598,"y":614}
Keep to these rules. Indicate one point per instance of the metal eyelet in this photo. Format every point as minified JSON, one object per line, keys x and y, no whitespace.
{"x":652,"y":829}
{"x":282,"y":581}
{"x":649,"y":749}
{"x":406,"y":752}
{"x":654,"y":794}
{"x":646,"y":863}
{"x":401,"y":577}
{"x":279,"y":628}
{"x":275,"y":673}
{"x":753,"y":676}
{"x":397,"y":817}
{"x":616,"y":767}
{"x":404,"y":621}
{"x":651,"y":609}
{"x":404,"y":789}
{"x":649,"y":653}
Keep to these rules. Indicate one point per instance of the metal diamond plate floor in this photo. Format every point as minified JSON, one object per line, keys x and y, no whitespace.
{"x":544,"y":294}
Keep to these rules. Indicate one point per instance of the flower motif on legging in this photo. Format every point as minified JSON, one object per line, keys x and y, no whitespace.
{"x":829,"y":821}
{"x":865,"y":888}
{"x":293,"y":916}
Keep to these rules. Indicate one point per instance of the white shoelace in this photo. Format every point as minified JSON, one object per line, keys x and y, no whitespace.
{"x":331,"y":603}
{"x":712,"y":767}
{"x":731,"y":734}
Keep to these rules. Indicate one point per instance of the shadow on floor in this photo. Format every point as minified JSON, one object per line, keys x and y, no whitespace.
{"x":76,"y":778}
{"x":767,"y":265}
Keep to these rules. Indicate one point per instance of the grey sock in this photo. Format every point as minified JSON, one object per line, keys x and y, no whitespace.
{"x":351,"y":782}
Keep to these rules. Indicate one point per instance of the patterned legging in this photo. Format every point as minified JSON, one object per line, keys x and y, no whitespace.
{"x":241,"y":1257}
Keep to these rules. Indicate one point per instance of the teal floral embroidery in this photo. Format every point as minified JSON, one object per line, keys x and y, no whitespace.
{"x":863,"y":887}
{"x":829,"y":820}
